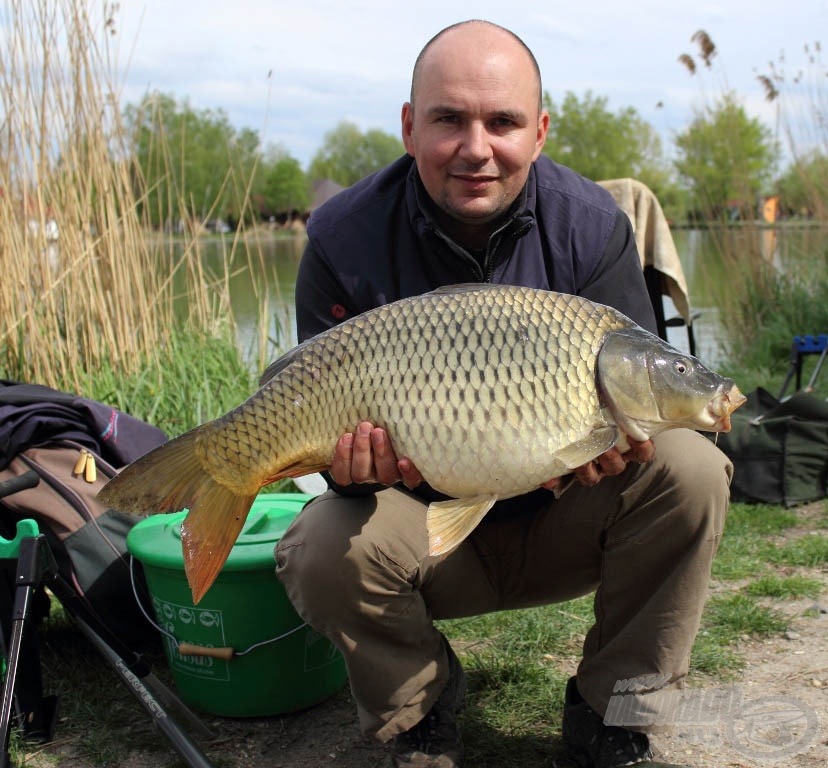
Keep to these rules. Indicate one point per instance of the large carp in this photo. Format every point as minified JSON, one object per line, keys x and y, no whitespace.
{"x":489,"y":390}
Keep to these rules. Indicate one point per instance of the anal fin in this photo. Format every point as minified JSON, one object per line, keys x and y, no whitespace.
{"x":449,"y":522}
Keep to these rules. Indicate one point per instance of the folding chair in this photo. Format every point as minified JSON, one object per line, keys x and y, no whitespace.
{"x":35,"y":566}
{"x":801,"y":347}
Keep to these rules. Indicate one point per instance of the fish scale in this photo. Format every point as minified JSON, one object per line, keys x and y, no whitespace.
{"x":489,"y":390}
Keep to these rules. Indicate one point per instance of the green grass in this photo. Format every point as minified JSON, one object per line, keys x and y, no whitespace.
{"x":517,"y":662}
{"x":745,"y":547}
{"x":193,"y":378}
{"x":810,"y":551}
{"x":750,"y":551}
{"x":728,"y":619}
{"x":784,"y":587}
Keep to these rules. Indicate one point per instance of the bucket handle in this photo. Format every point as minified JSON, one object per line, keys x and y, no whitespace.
{"x":191,"y":649}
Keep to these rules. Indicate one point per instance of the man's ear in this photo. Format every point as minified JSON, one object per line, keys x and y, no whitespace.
{"x":543,"y":130}
{"x":407,"y":121}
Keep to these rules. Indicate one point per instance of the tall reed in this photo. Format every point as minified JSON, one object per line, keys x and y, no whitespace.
{"x":85,"y":284}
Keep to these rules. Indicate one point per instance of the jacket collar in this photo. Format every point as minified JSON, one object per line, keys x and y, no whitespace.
{"x":519,"y":220}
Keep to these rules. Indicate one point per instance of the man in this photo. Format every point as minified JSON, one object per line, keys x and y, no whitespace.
{"x":472,"y":201}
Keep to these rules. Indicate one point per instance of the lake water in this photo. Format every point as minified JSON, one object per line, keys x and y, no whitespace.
{"x":263,"y":279}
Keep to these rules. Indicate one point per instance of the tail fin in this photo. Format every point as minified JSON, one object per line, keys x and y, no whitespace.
{"x":208,"y":534}
{"x":170,"y":478}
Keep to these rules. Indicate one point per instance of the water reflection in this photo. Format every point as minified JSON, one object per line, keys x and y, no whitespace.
{"x":262,"y":282}
{"x":263,"y":277}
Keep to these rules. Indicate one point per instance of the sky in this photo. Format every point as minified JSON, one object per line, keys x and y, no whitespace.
{"x":292,"y":70}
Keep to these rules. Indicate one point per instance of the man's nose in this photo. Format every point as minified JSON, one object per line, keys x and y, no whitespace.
{"x":476,"y":147}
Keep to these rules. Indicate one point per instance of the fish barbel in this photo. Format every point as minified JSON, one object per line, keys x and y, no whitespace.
{"x":489,"y":390}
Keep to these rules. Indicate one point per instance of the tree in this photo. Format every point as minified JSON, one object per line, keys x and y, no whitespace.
{"x":803,"y":188}
{"x":192,"y":163}
{"x":585,"y":136}
{"x":726,"y":159}
{"x":247,"y":178}
{"x":347,"y":155}
{"x":285,"y":184}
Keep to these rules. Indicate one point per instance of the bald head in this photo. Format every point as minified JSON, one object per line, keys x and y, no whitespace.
{"x":477,"y":33}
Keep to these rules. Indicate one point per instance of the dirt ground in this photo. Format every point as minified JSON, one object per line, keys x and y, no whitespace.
{"x":783,"y":720}
{"x":785,"y":680}
{"x":774,"y":714}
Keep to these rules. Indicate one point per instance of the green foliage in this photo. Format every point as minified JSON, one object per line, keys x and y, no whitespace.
{"x":587,"y":137}
{"x":348,"y":155}
{"x":195,"y":165}
{"x":803,"y":188}
{"x":762,"y":309}
{"x":726,"y":158}
{"x":190,"y":379}
{"x":285,"y":184}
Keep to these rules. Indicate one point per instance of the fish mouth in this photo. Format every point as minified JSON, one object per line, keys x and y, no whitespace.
{"x":722,"y":405}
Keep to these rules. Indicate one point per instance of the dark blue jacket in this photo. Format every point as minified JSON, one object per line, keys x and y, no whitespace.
{"x":375,"y":243}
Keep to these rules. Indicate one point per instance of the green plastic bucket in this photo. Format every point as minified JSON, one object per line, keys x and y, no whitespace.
{"x":247,"y":605}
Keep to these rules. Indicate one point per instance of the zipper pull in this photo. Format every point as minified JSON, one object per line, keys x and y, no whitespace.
{"x":90,"y":472}
{"x":85,"y":465}
{"x":81,"y":462}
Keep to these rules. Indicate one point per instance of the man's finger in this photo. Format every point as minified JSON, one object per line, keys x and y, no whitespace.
{"x":611,"y":463}
{"x":385,"y":460}
{"x":552,"y":484}
{"x":362,"y":463}
{"x":588,"y":474}
{"x":411,"y":476}
{"x":341,"y":463}
{"x":640,"y":452}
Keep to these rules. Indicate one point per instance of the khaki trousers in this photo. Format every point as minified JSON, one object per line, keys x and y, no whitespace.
{"x":357,"y":570}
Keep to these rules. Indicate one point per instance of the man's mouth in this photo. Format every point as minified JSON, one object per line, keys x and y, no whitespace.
{"x":474,"y":179}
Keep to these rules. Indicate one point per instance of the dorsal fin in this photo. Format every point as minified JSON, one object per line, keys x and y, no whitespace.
{"x":464,"y":288}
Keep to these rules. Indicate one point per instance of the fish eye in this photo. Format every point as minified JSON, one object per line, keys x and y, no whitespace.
{"x":681,"y":366}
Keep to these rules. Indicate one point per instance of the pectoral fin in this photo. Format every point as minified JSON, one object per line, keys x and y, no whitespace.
{"x":594,"y":444}
{"x":449,"y":522}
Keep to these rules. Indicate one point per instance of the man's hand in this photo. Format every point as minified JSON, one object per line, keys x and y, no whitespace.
{"x":610,"y":463}
{"x":366,"y":456}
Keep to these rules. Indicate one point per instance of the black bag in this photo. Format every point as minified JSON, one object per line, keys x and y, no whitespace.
{"x":75,"y":445}
{"x":779,"y":449}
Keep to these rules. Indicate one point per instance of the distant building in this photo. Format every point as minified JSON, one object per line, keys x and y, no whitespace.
{"x":323,"y":190}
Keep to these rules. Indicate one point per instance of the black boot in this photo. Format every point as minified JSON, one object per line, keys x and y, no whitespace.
{"x":435,"y":741}
{"x":592,"y":744}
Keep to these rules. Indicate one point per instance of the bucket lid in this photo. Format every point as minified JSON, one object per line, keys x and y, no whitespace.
{"x":156,"y":540}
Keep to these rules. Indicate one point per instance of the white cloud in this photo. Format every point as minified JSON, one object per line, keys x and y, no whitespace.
{"x":329,"y":61}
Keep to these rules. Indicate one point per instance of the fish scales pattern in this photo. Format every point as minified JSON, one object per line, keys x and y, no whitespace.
{"x":475,"y":369}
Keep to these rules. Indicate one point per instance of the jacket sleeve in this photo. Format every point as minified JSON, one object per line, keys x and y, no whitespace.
{"x":618,"y":279}
{"x":321,"y":300}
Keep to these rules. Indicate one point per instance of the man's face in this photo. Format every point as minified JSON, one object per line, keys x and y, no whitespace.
{"x":474,"y":127}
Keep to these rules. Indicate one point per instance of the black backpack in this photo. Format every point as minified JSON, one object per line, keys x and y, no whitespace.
{"x":779,"y":449}
{"x":75,"y":445}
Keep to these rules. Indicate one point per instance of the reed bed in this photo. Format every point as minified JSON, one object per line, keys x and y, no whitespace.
{"x":86,"y":285}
